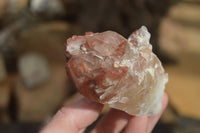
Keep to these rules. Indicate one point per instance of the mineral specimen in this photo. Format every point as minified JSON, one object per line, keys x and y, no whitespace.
{"x":125,"y":74}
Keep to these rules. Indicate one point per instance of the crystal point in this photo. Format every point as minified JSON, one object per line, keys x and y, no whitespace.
{"x":123,"y":73}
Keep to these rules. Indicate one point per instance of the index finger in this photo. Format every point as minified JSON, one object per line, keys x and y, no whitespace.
{"x":74,"y":117}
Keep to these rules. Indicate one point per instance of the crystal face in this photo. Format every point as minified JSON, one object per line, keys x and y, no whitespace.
{"x":125,"y":74}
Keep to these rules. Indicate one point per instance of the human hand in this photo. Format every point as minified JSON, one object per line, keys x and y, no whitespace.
{"x":77,"y":116}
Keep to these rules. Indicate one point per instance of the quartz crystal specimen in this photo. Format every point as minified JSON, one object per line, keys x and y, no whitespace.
{"x":125,"y":74}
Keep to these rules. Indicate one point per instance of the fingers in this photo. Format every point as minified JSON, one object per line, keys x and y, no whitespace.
{"x":145,"y":124}
{"x":113,"y":122}
{"x":74,"y":117}
{"x":154,"y":119}
{"x":137,"y":124}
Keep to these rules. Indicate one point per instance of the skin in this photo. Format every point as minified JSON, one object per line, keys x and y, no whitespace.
{"x":77,"y":116}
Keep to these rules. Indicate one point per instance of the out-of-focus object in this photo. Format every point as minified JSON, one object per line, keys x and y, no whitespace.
{"x":48,"y":8}
{"x":5,"y":92}
{"x":170,"y":116}
{"x":5,"y":96}
{"x":3,"y":72}
{"x":33,"y":69}
{"x":15,"y":6}
{"x":7,"y":41}
{"x":180,"y":36}
{"x":3,"y":6}
{"x":51,"y":35}
{"x":42,"y":102}
{"x":125,"y":74}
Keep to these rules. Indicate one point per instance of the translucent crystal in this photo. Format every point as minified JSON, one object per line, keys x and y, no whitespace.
{"x":125,"y":74}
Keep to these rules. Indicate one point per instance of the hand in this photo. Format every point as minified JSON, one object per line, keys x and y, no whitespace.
{"x":75,"y":118}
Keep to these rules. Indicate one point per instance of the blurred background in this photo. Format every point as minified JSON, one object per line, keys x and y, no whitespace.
{"x":33,"y":82}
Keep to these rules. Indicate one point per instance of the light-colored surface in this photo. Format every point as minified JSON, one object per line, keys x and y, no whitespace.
{"x":50,"y":8}
{"x":184,"y":85}
{"x":33,"y":69}
{"x":180,"y":37}
{"x":185,"y":12}
{"x":40,"y":103}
